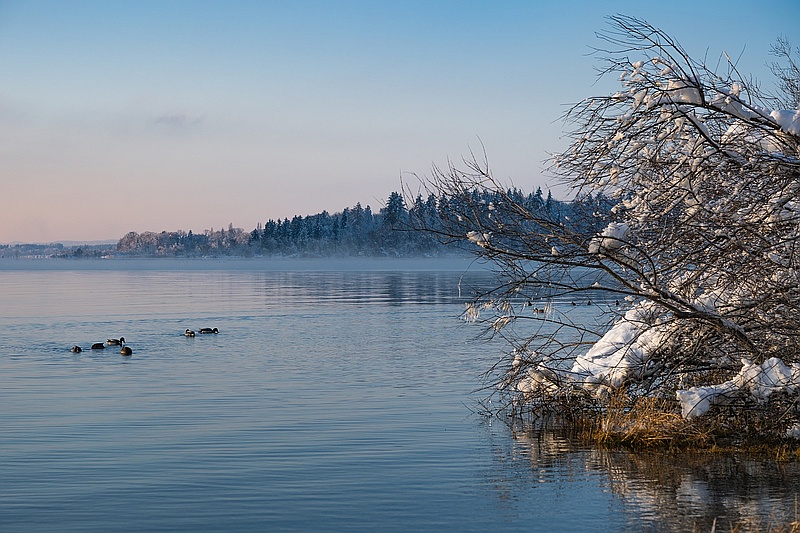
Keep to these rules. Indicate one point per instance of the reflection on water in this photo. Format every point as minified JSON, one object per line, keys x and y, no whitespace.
{"x":88,"y":293}
{"x":330,"y":401}
{"x":660,"y":491}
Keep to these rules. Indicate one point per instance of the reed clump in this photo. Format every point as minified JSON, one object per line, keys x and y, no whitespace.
{"x":633,"y":422}
{"x":646,"y":423}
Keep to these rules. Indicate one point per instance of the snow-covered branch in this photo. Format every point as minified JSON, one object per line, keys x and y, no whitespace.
{"x":688,"y":180}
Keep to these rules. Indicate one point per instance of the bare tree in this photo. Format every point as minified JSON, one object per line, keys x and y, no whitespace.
{"x":700,"y":249}
{"x":787,"y":73}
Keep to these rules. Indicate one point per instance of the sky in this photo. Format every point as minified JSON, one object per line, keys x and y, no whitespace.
{"x":178,"y":115}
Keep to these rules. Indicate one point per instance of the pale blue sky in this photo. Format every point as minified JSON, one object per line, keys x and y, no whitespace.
{"x":150,"y":116}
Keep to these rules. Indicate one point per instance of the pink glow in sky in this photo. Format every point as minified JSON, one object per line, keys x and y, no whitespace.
{"x":150,"y":116}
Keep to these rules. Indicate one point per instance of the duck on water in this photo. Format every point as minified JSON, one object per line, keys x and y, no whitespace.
{"x":111,"y":342}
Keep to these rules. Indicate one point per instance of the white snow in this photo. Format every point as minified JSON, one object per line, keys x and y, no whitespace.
{"x":733,"y":106}
{"x":625,"y":347}
{"x":679,"y":92}
{"x":623,"y":352}
{"x":612,"y":238}
{"x":540,"y":379}
{"x":620,"y":354}
{"x":759,"y":381}
{"x":742,"y":131}
{"x":481,"y":239}
{"x":698,"y":400}
{"x":788,"y":120}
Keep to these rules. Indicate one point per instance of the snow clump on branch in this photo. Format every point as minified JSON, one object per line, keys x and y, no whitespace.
{"x":704,"y":171}
{"x":612,"y":238}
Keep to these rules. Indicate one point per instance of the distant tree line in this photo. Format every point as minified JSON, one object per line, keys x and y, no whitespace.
{"x":55,"y":250}
{"x":398,"y":229}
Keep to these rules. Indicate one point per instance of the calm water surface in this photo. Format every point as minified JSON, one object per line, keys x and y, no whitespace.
{"x":331,"y":400}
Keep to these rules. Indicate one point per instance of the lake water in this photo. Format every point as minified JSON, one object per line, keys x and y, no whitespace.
{"x":337,"y":397}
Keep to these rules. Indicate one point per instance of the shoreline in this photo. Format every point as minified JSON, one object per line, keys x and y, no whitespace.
{"x":333,"y":264}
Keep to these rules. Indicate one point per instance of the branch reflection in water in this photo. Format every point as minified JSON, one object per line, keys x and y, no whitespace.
{"x":666,"y":491}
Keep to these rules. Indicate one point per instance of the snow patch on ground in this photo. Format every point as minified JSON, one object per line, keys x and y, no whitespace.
{"x":760,"y":381}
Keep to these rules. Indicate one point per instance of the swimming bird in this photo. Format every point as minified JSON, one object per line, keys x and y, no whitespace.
{"x":76,"y":349}
{"x":98,"y":346}
{"x":209,"y":330}
{"x":188,"y":333}
{"x":126,"y":350}
{"x":116,"y":342}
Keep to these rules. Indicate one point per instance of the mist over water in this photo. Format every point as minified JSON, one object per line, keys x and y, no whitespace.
{"x":332,"y":400}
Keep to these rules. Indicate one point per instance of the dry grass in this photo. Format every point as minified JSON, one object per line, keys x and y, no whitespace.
{"x":646,"y":423}
{"x":643,"y":422}
{"x":626,"y":419}
{"x":755,"y":526}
